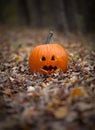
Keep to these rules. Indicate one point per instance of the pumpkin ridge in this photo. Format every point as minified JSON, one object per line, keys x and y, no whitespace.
{"x":48,"y":58}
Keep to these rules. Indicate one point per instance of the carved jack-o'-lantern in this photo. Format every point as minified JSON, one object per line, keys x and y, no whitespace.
{"x":48,"y":58}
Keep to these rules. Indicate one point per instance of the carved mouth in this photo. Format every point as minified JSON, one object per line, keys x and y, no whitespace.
{"x":49,"y":68}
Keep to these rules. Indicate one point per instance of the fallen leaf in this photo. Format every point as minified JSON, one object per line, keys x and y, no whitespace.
{"x":53,"y":104}
{"x":61,"y":112}
{"x":29,"y":112}
{"x":77,"y":92}
{"x":44,"y":84}
{"x":8,"y":92}
{"x":15,"y":58}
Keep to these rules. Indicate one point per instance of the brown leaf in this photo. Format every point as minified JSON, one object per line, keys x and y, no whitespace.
{"x":29,"y":112}
{"x":15,"y":58}
{"x":61,"y":112}
{"x":53,"y":104}
{"x":77,"y":92}
{"x":44,"y":84}
{"x":8,"y":92}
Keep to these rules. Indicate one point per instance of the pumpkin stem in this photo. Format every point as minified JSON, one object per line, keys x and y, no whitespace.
{"x":49,"y":37}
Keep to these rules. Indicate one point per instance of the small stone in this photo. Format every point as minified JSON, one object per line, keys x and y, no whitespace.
{"x":30,"y":89}
{"x":11,"y":79}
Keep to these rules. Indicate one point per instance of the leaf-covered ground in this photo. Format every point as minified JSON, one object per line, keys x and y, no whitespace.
{"x":61,"y":101}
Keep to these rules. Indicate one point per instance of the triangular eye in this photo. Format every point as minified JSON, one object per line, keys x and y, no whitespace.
{"x":53,"y":58}
{"x":43,"y":58}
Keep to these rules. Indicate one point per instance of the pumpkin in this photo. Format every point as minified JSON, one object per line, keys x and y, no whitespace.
{"x":48,"y":58}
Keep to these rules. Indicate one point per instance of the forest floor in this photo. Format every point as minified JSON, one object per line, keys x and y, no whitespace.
{"x":60,"y":101}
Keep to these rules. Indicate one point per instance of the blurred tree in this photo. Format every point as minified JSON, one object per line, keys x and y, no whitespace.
{"x":61,"y":22}
{"x":89,"y":15}
{"x":86,"y":10}
{"x":9,"y":12}
{"x":71,"y":13}
{"x":1,"y":11}
{"x":64,"y":15}
{"x":23,"y":12}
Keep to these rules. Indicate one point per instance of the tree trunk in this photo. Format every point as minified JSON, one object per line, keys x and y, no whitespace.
{"x":71,"y":13}
{"x":23,"y":10}
{"x":60,"y":16}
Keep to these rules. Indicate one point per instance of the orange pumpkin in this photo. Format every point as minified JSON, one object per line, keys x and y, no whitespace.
{"x":48,"y":58}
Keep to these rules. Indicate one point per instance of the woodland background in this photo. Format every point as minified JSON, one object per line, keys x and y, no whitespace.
{"x":63,"y":15}
{"x":60,"y":101}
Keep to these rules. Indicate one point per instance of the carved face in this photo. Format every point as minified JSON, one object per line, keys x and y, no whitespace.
{"x":48,"y":58}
